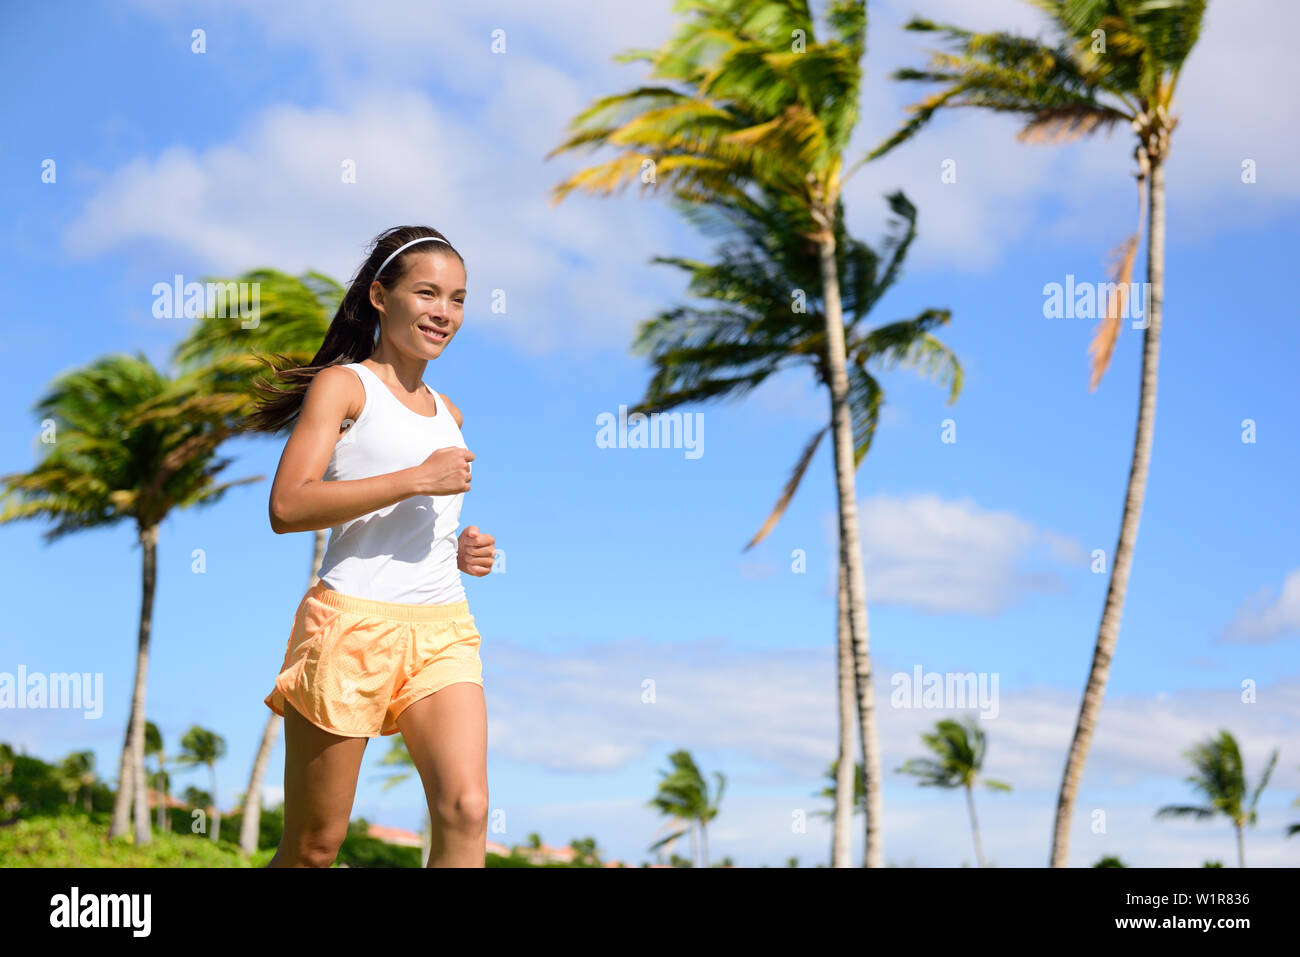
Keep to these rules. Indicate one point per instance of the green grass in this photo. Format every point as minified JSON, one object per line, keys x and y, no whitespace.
{"x":78,"y":840}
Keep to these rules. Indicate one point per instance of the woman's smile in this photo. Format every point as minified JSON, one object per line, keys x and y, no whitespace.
{"x":433,"y":333}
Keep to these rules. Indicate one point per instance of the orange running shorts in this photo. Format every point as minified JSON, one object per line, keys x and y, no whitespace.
{"x":353,"y":665}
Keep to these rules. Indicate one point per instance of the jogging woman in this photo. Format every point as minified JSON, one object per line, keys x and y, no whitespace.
{"x":383,"y":641}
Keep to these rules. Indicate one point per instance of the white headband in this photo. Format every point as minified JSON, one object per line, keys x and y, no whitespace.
{"x":422,"y":239}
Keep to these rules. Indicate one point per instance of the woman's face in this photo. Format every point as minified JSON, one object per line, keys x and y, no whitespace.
{"x":421,"y":314}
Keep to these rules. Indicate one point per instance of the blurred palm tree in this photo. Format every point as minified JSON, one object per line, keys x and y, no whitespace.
{"x":828,"y":792}
{"x":153,"y":747}
{"x":762,"y":105}
{"x":200,"y":746}
{"x":122,"y":441}
{"x":77,"y":776}
{"x":293,"y":315}
{"x":399,"y":755}
{"x":683,"y":796}
{"x":1221,"y":777}
{"x":1113,"y":62}
{"x":960,"y":747}
{"x":161,"y":782}
{"x":585,"y":851}
{"x":832,"y":773}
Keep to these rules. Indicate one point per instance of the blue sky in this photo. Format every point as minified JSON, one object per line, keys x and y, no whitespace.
{"x":625,"y":564}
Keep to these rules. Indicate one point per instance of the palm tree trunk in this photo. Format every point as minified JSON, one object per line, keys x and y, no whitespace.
{"x":704,"y":842}
{"x":125,"y":783}
{"x":841,"y":838}
{"x":851,"y":547}
{"x":1241,"y":849}
{"x":131,"y":769}
{"x":974,"y":828}
{"x":252,"y":823}
{"x":1108,"y":632}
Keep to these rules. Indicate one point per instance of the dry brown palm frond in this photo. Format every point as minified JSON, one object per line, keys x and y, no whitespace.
{"x":788,"y":492}
{"x":1067,"y":123}
{"x":1102,"y":346}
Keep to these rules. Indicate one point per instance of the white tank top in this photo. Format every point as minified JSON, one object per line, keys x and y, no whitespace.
{"x":405,"y":552}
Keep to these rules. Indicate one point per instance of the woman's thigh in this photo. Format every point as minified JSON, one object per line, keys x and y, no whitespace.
{"x":320,"y":779}
{"x":446,"y":735}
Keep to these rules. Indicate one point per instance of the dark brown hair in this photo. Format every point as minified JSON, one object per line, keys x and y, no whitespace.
{"x":351,"y":335}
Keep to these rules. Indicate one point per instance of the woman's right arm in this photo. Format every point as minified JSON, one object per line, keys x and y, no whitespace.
{"x":301,"y":501}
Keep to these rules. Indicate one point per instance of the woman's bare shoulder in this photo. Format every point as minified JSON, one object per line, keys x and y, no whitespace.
{"x":455,"y":411}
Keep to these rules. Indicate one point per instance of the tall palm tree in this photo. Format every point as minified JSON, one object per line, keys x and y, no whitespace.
{"x":758,"y":111}
{"x":399,"y":755}
{"x":294,"y":313}
{"x":203,"y":747}
{"x":124,"y":448}
{"x":683,"y":795}
{"x":960,"y":747}
{"x":766,"y":313}
{"x":1113,"y":62}
{"x":1221,"y":777}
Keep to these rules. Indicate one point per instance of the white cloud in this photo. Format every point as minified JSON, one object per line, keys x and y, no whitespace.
{"x":1263,"y":617}
{"x":274,"y":195}
{"x":954,"y":556}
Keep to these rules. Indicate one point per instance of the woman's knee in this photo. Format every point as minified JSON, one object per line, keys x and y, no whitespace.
{"x":465,"y":810}
{"x":316,"y":848}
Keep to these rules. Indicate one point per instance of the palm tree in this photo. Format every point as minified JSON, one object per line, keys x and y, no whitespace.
{"x":683,"y":796}
{"x":1115,"y":61}
{"x":1221,"y":777}
{"x":756,"y":110}
{"x":585,"y":851}
{"x":153,"y":746}
{"x":77,"y":776}
{"x":960,"y":747}
{"x":752,"y":329}
{"x":123,"y":448}
{"x":828,"y":792}
{"x":294,"y":313}
{"x":201,"y":746}
{"x":399,"y":755}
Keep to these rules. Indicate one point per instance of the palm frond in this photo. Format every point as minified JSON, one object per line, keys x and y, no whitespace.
{"x":791,"y":485}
